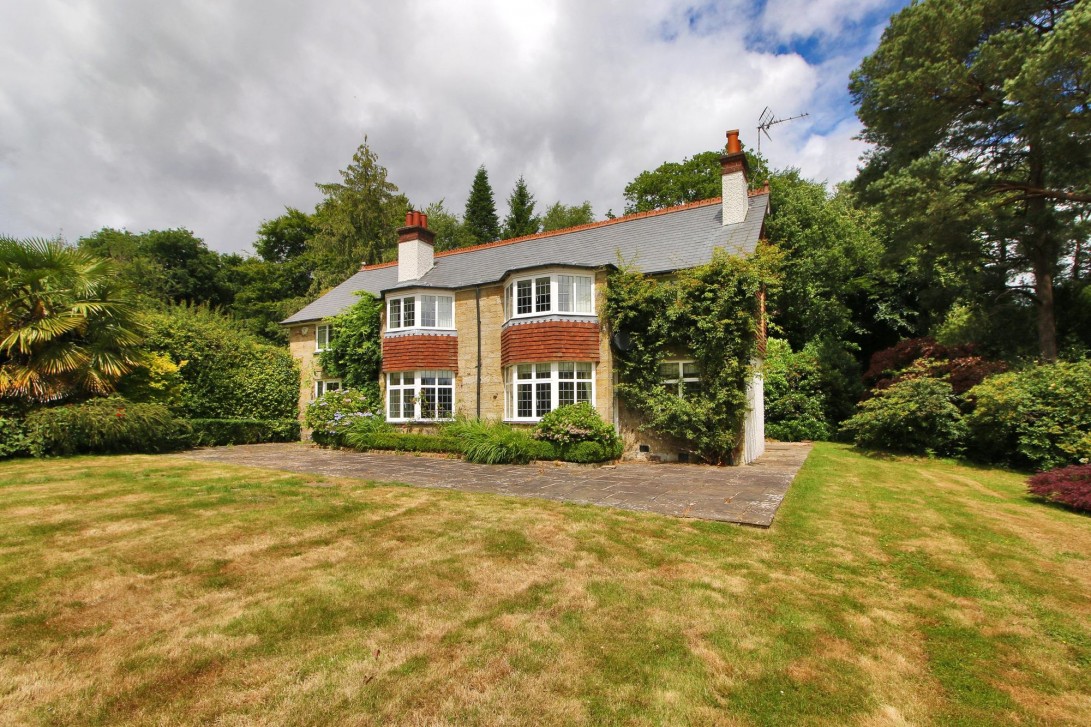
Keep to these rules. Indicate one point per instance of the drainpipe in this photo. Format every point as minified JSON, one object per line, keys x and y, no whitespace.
{"x":477,"y":301}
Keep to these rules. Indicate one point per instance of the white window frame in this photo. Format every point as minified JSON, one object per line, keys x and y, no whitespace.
{"x":679,"y":378}
{"x":535,"y":284}
{"x":417,"y":384}
{"x":323,"y":332}
{"x":321,"y":386}
{"x":396,"y":306}
{"x":552,"y":376}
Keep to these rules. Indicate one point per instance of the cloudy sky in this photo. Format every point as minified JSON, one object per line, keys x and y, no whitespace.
{"x":216,"y":114}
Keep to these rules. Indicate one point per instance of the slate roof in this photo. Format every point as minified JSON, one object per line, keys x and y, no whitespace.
{"x":652,"y":242}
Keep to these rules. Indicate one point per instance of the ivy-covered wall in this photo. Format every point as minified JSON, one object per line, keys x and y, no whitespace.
{"x":711,"y":314}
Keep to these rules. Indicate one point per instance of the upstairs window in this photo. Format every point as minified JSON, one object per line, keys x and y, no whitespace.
{"x":322,"y":337}
{"x":420,"y":311}
{"x":554,"y":293}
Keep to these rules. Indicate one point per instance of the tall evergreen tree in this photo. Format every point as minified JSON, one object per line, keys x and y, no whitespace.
{"x":480,"y":218}
{"x":981,"y":110}
{"x":521,"y":219}
{"x":357,"y":221}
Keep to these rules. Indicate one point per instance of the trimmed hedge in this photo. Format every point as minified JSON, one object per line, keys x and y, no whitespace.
{"x":106,"y":426}
{"x":527,"y":449}
{"x":220,"y":432}
{"x":404,"y":442}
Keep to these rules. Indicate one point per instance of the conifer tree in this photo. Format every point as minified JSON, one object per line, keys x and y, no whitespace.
{"x":480,"y":218}
{"x":521,"y":220}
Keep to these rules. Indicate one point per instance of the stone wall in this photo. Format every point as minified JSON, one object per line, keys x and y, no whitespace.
{"x":301,"y":343}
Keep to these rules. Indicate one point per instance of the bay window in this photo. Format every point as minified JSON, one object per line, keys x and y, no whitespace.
{"x":420,"y":395}
{"x":420,"y":311}
{"x":533,"y":390}
{"x":552,"y":293}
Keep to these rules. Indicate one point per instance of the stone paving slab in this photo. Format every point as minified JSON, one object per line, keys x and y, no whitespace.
{"x":749,"y":495}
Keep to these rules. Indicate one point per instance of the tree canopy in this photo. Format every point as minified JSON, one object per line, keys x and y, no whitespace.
{"x":694,"y":178}
{"x":979,"y":113}
{"x":560,"y":216}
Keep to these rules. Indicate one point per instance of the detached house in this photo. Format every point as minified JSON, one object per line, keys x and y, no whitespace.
{"x":511,"y":330}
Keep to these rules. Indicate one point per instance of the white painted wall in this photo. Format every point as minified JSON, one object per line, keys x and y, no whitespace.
{"x":735,"y":200}
{"x":415,"y":258}
{"x":754,"y":429}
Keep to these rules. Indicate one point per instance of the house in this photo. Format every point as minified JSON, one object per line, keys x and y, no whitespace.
{"x":511,"y":329}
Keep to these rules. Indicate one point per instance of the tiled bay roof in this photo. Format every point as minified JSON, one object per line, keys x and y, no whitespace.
{"x":652,"y":242}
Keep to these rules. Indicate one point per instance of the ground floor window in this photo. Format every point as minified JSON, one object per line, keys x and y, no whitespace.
{"x":533,"y":390}
{"x":323,"y":385}
{"x":420,"y":395}
{"x":680,"y":377}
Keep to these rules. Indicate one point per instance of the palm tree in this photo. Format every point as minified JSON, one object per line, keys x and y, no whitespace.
{"x":68,"y":326}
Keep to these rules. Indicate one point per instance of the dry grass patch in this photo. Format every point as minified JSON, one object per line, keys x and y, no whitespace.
{"x":139,"y":590}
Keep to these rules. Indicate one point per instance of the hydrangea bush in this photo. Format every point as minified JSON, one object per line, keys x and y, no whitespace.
{"x":333,"y":414}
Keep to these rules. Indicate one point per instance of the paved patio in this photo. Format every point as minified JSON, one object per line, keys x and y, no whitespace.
{"x":749,"y":495}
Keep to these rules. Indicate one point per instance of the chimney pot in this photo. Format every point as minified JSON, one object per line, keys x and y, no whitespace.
{"x":733,"y":145}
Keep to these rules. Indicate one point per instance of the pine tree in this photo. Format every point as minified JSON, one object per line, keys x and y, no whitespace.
{"x":521,"y":220}
{"x":357,"y":221}
{"x":480,"y":218}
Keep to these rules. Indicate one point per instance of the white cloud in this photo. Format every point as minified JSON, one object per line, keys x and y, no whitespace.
{"x":215,"y":116}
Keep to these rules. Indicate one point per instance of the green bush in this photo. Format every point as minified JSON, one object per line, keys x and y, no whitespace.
{"x":331,"y":415}
{"x":487,"y":442}
{"x":795,"y":403}
{"x":573,"y":423}
{"x":228,"y":374}
{"x":106,"y":426}
{"x":1039,"y":417}
{"x":363,"y":439}
{"x":579,"y":452}
{"x":918,"y":416}
{"x":13,"y":438}
{"x":220,"y":432}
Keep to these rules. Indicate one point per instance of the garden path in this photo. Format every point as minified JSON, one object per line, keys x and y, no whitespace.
{"x":748,"y":495}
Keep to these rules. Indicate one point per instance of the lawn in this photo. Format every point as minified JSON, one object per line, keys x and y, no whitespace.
{"x":888,"y":591}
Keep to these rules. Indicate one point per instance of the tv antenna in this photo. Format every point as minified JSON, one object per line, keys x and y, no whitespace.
{"x":768,"y":119}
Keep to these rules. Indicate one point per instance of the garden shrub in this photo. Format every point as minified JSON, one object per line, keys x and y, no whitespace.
{"x":331,"y":415}
{"x":489,"y":442}
{"x":913,"y":357}
{"x":1070,"y":486}
{"x":1039,"y":417}
{"x":157,"y":380}
{"x":364,"y":439}
{"x":13,"y":438}
{"x":795,"y":402}
{"x":228,"y":373}
{"x":918,"y":416}
{"x":220,"y":432}
{"x":574,"y":423}
{"x":110,"y":425}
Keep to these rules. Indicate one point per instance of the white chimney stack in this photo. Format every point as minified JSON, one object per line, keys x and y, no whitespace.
{"x":415,"y":249}
{"x":734,"y":170}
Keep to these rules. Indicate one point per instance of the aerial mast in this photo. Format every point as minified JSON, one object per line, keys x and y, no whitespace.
{"x":768,"y":119}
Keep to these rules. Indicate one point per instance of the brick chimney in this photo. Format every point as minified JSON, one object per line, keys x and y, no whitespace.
{"x":734,"y":171}
{"x":415,"y":247}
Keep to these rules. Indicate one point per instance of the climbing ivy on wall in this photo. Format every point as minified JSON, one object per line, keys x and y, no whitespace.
{"x":711,"y":314}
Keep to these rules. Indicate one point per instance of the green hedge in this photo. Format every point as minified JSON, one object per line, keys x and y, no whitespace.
{"x":405,"y":442}
{"x":13,"y":438}
{"x":579,"y":452}
{"x":106,"y":426}
{"x":220,"y":432}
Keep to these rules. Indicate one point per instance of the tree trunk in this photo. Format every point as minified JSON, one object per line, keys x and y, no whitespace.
{"x":1047,"y":323}
{"x":1041,"y":247}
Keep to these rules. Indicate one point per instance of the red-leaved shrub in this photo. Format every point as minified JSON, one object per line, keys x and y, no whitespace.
{"x":1069,"y":486}
{"x":914,"y":357}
